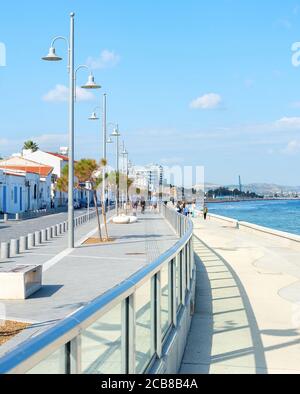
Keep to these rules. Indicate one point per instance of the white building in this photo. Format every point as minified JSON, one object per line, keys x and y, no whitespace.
{"x":19,"y":191}
{"x":150,"y":177}
{"x":57,"y":161}
{"x":38,"y":179}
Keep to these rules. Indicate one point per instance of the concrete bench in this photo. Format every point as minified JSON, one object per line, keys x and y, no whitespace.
{"x":20,"y":282}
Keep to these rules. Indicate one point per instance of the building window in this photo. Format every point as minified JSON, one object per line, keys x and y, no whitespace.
{"x":35,"y":192}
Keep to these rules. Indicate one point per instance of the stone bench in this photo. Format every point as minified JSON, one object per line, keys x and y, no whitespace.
{"x":20,"y":282}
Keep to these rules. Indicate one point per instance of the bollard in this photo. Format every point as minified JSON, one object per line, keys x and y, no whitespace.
{"x":52,"y":231}
{"x":31,"y":242}
{"x":23,"y":244}
{"x":5,"y":217}
{"x":48,"y":234}
{"x":237,"y":225}
{"x":4,"y":250}
{"x":65,"y":226}
{"x":14,"y":247}
{"x":60,"y":228}
{"x":37,"y":238}
{"x":44,"y":236}
{"x":17,"y":216}
{"x":57,"y":230}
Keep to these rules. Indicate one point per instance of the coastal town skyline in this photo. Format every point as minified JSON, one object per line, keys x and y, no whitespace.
{"x":244,"y":119}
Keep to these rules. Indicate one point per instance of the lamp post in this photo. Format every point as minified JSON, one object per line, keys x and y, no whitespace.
{"x":94,"y":117}
{"x":125,"y":156}
{"x":116,"y":134}
{"x":72,"y":90}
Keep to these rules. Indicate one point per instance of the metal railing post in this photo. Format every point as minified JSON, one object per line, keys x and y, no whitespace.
{"x":158,"y":316}
{"x":131,"y":335}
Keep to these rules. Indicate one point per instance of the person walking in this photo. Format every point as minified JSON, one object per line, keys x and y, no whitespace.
{"x":205,"y":213}
{"x":143,"y":204}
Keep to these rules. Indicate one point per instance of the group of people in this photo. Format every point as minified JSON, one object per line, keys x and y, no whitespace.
{"x":190,"y":209}
{"x":140,"y":201}
{"x":186,"y":209}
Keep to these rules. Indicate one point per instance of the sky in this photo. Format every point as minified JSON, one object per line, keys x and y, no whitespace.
{"x":190,"y":82}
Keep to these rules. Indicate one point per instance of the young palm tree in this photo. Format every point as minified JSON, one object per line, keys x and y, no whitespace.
{"x":30,"y":145}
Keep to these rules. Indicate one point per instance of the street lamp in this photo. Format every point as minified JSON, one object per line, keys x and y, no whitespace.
{"x":52,"y":57}
{"x":116,"y":134}
{"x":95,"y":117}
{"x":125,"y":155}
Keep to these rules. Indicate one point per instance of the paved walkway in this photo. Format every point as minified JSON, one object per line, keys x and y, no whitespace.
{"x":248,"y":303}
{"x":74,"y":278}
{"x":14,"y":230}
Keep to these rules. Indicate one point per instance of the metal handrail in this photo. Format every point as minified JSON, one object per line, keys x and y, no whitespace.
{"x":49,"y":341}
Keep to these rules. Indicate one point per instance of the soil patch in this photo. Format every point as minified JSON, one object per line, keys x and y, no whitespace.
{"x":10,"y":329}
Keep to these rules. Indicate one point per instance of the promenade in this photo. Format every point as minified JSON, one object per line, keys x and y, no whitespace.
{"x":247,"y":315}
{"x":73,"y":278}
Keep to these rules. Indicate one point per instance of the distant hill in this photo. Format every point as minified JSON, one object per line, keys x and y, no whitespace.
{"x":258,"y":188}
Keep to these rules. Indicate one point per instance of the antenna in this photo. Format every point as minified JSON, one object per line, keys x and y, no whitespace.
{"x":240,"y":184}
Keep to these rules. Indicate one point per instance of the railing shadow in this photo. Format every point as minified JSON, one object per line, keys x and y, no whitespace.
{"x":223,"y":318}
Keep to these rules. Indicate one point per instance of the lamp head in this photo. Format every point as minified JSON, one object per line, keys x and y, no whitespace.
{"x":52,"y":57}
{"x":93,"y":116}
{"x":109,"y":141}
{"x":116,"y":133}
{"x":91,"y":84}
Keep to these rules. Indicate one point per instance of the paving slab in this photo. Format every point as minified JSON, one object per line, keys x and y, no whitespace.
{"x":87,"y":272}
{"x":247,"y":303}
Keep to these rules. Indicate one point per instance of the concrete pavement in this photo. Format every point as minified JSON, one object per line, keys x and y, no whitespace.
{"x":74,"y":278}
{"x":248,"y":303}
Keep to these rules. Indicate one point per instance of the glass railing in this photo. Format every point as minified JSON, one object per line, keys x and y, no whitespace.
{"x":123,"y":331}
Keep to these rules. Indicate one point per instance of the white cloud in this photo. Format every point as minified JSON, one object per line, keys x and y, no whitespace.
{"x":50,"y":139}
{"x":61,"y":94}
{"x":107,"y":59}
{"x":292,"y":123}
{"x":292,"y":148}
{"x":208,"y":101}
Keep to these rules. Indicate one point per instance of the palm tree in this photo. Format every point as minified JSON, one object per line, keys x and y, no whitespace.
{"x":87,"y":170}
{"x":30,"y":145}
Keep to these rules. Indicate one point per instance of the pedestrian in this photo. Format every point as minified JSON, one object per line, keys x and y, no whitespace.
{"x":143,"y":204}
{"x":205,"y":213}
{"x":186,"y":211}
{"x":154,"y":203}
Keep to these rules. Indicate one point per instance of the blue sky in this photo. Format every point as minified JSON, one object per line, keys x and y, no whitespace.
{"x":190,"y":82}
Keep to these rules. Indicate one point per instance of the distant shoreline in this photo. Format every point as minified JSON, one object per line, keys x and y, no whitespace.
{"x":209,"y":201}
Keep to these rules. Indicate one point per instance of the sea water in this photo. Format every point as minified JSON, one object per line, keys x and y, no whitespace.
{"x":283,"y":215}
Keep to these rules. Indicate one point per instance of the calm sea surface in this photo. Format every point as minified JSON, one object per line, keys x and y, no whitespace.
{"x":279,"y":215}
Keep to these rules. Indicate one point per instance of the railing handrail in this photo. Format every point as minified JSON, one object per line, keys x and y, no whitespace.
{"x":69,"y":327}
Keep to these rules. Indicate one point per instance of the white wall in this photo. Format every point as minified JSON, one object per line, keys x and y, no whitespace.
{"x":22,"y":192}
{"x":46,"y":159}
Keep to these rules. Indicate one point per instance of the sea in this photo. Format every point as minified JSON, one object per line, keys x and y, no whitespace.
{"x":283,"y":215}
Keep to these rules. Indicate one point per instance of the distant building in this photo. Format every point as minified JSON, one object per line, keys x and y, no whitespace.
{"x":150,"y":177}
